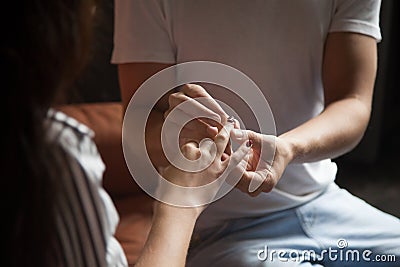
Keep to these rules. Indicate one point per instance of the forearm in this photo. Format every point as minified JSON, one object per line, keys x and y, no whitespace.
{"x":169,"y":237}
{"x":337,"y":130}
{"x":131,"y":77}
{"x":153,"y":139}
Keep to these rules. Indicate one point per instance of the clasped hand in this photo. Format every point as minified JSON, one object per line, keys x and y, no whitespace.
{"x":260,"y":167}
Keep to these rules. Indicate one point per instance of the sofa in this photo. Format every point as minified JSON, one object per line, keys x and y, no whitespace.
{"x":134,"y":206}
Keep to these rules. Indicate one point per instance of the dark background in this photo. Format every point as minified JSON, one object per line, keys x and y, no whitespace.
{"x":370,"y":171}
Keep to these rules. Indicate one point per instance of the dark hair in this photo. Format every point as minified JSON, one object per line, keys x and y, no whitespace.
{"x":44,"y":47}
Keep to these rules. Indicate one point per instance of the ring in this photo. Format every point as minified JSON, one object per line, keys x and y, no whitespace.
{"x":231,"y":119}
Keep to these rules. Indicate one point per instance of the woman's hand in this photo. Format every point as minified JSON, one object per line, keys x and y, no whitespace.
{"x":267,"y":161}
{"x":212,"y":153}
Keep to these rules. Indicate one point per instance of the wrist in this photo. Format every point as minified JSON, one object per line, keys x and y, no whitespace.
{"x":182,"y":213}
{"x":291,"y":148}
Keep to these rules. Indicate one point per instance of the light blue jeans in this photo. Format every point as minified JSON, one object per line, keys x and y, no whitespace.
{"x":335,"y":229}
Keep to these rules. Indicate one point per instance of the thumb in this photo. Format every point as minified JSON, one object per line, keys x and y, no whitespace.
{"x":244,"y":135}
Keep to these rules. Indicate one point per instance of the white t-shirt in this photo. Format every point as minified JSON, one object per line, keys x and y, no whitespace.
{"x":278,"y":44}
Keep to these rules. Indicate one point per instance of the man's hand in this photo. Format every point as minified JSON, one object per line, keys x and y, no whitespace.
{"x":207,"y":116}
{"x":268,"y":159}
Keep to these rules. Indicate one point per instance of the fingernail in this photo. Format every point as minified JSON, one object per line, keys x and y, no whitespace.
{"x":249,"y":143}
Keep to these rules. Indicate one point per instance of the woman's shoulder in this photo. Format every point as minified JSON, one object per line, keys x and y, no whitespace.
{"x":76,"y":139}
{"x":59,"y":121}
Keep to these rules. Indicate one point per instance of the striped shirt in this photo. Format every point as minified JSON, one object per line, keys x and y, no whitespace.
{"x":86,"y":217}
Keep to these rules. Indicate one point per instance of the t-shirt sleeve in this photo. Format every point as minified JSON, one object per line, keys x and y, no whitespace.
{"x":142,"y":32}
{"x":359,"y":16}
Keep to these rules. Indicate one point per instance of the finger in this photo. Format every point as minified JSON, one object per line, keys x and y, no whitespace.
{"x":224,"y":157}
{"x":237,"y":124}
{"x":212,"y":131}
{"x":177,"y":99}
{"x":222,"y":139}
{"x":266,"y":186}
{"x":199,"y":126}
{"x":268,"y":149}
{"x":192,"y":107}
{"x":239,"y":135}
{"x":212,"y":123}
{"x":207,"y":147}
{"x":219,"y":126}
{"x":236,"y":174}
{"x":178,"y":117}
{"x":195,"y":131}
{"x":242,"y":135}
{"x":194,"y":90}
{"x":191,"y":150}
{"x":239,"y":155}
{"x":256,"y":182}
{"x":243,"y":183}
{"x":197,"y":91}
